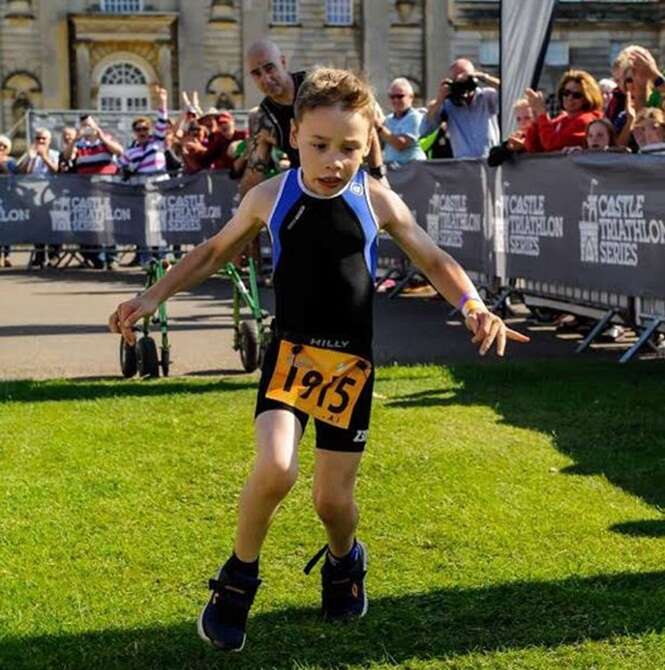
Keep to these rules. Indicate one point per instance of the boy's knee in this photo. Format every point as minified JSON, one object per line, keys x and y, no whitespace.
{"x":276,"y":480}
{"x":330,"y":506}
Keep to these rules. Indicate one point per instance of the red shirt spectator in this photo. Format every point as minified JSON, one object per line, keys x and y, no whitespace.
{"x":564,"y":130}
{"x":194,"y":147}
{"x":95,"y":150}
{"x":582,"y":102}
{"x":225,"y":134}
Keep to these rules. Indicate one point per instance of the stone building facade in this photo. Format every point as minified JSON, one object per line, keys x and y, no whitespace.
{"x":106,"y":54}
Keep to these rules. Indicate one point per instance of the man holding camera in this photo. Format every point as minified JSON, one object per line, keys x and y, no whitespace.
{"x":469,"y":109}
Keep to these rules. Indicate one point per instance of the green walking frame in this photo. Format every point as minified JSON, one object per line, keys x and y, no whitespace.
{"x":250,"y":335}
{"x":143,"y":357}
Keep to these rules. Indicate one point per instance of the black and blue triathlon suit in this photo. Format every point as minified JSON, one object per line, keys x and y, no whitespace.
{"x":324,"y":265}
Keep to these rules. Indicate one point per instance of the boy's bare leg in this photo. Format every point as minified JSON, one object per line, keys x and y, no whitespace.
{"x":223,"y":621}
{"x":278,"y":433}
{"x":334,"y":483}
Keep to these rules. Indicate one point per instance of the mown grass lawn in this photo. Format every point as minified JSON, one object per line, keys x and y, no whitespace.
{"x":513,"y":514}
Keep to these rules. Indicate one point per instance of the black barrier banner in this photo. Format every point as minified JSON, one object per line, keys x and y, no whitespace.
{"x":448,"y":199}
{"x":189,"y":209}
{"x":590,"y":219}
{"x":72,"y":209}
{"x":594,"y":220}
{"x":68,"y":209}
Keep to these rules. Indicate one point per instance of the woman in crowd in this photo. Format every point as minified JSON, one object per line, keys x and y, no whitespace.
{"x":640,"y":84}
{"x":581,"y":101}
{"x":607,"y":87}
{"x":7,"y":166}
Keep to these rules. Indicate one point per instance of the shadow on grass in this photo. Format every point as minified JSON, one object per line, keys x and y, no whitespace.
{"x":644,"y":528}
{"x":607,"y":418}
{"x":38,"y":391}
{"x":437,"y":625}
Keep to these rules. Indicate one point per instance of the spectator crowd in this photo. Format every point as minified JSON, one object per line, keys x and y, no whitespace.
{"x":623,"y":112}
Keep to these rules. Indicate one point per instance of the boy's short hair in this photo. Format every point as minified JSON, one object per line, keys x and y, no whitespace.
{"x":654,"y":114}
{"x":327,"y":86}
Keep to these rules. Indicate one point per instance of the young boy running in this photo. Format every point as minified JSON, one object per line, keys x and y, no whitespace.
{"x":324,"y":220}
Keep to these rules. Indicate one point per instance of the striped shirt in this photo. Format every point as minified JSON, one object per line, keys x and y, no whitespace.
{"x":148,"y":157}
{"x":93,"y":157}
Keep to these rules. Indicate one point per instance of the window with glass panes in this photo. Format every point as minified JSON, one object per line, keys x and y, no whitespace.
{"x":122,"y":6}
{"x":339,"y":12}
{"x":285,"y":12}
{"x":123,"y":88}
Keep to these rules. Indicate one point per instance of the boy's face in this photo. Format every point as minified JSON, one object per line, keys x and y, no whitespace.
{"x":332,"y":143}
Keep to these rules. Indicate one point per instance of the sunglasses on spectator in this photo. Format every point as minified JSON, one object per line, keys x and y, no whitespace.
{"x":141,"y":129}
{"x":40,"y":137}
{"x":397,"y":96}
{"x":575,"y":95}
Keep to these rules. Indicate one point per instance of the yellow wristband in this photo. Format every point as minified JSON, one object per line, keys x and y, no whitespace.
{"x":472,"y":305}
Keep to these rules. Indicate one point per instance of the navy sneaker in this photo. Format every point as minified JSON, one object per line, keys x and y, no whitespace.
{"x":223,"y":621}
{"x":343,"y":593}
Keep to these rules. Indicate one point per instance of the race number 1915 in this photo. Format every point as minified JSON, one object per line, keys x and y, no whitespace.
{"x":323,"y":383}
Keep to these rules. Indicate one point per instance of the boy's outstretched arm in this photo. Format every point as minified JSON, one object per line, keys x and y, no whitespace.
{"x":203,"y":261}
{"x":445,"y":273}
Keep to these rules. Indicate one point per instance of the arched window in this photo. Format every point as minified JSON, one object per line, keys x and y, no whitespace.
{"x":123,"y":88}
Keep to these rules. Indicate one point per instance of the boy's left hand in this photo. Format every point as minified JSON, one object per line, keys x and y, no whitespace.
{"x":488,"y":328}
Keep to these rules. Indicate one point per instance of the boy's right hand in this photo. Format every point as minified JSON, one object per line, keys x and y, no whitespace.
{"x":128,"y":313}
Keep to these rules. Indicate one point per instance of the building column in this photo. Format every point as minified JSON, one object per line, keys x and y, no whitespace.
{"x":437,"y":45}
{"x":192,"y":26}
{"x":376,"y":48}
{"x":54,"y":52}
{"x":255,"y":18}
{"x":83,"y":79}
{"x":165,"y":71}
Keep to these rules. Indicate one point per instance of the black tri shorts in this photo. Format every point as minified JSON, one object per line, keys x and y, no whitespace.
{"x":328,"y":436}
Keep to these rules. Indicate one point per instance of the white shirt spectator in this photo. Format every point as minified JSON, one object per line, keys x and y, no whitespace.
{"x":38,"y":166}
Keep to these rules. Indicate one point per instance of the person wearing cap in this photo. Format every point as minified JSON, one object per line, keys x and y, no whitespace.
{"x":220,"y":154}
{"x":209,"y":120}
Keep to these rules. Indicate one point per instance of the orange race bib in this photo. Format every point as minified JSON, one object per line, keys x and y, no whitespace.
{"x":323,"y":383}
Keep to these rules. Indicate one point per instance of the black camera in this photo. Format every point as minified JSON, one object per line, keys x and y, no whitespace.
{"x":461,"y":89}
